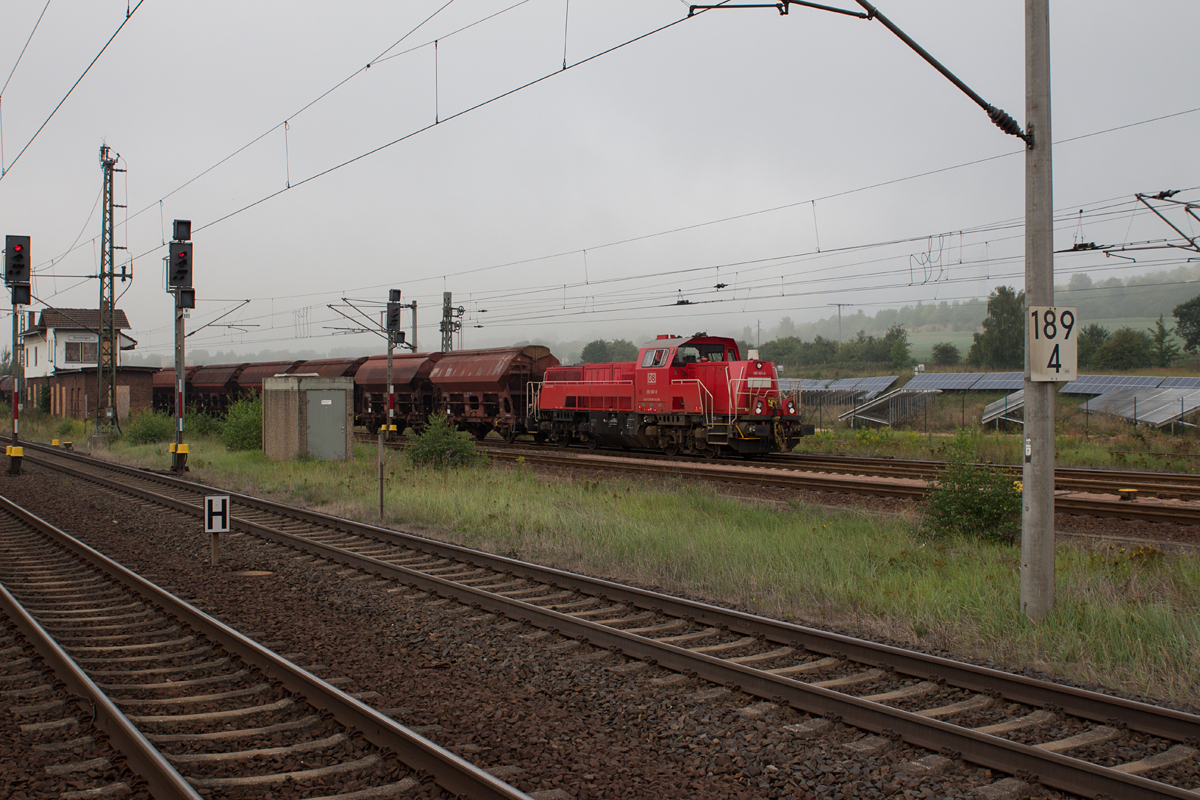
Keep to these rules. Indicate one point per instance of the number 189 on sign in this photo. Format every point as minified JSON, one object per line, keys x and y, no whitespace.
{"x":1052,"y":341}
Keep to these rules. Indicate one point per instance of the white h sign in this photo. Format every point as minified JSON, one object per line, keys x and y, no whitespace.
{"x":216,"y":513}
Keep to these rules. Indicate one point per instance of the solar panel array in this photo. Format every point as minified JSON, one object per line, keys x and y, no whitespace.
{"x":1099,"y":384}
{"x":985,"y":382}
{"x":1155,"y":406}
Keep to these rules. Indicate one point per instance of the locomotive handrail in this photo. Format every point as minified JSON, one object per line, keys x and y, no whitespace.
{"x":707,"y":408}
{"x":533,"y":390}
{"x":735,"y":395}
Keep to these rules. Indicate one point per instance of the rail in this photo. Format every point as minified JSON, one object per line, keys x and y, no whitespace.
{"x":871,"y":713}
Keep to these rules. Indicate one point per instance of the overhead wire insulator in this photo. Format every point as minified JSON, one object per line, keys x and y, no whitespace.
{"x":1004,"y":122}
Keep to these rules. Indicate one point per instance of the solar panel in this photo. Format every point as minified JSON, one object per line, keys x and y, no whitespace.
{"x":1099,"y":384}
{"x":1005,"y":405}
{"x":923,"y":381}
{"x":875,"y":386}
{"x":1000,"y":382}
{"x":1155,"y":406}
{"x":953,"y":381}
{"x":1180,"y":383}
{"x":843,"y":384}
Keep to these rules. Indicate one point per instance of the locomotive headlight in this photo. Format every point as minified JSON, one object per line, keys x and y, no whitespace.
{"x":791,"y":407}
{"x":758,"y":407}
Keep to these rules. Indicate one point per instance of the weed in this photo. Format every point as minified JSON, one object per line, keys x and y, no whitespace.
{"x":440,"y":446}
{"x":149,"y":427}
{"x":977,"y":501}
{"x":1124,"y":562}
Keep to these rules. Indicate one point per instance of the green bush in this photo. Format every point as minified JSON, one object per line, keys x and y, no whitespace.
{"x":201,"y":423}
{"x":43,"y":399}
{"x":976,"y":501}
{"x":149,"y":427}
{"x":243,"y":425}
{"x":69,"y":427}
{"x":441,"y":446}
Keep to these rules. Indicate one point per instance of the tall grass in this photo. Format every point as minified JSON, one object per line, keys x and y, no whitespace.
{"x":1131,"y":621}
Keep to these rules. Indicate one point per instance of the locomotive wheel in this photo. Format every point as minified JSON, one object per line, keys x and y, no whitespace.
{"x":592,"y":444}
{"x":563,"y":442}
{"x":671,"y":449}
{"x":711,"y":452}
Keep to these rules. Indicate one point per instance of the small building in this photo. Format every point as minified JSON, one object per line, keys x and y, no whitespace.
{"x":308,"y":415}
{"x":73,"y":392}
{"x":68,"y":339}
{"x":61,"y":348}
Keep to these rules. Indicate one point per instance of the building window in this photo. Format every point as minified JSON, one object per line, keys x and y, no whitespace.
{"x":82,"y":352}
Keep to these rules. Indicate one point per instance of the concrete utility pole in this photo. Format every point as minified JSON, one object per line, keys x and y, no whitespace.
{"x":1037,"y":521}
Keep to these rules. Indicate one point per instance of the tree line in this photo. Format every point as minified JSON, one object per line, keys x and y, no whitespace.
{"x":1001,"y":344}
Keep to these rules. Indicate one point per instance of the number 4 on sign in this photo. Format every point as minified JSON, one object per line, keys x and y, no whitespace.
{"x":1052,"y":343}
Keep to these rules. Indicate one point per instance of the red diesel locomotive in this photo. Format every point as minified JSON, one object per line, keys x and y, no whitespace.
{"x":683,"y":395}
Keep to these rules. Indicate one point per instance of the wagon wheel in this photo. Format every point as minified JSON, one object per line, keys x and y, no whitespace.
{"x":592,"y":444}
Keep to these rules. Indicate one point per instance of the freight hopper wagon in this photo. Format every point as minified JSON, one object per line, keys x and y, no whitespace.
{"x":415,"y":397}
{"x":691,"y":395}
{"x":486,"y":390}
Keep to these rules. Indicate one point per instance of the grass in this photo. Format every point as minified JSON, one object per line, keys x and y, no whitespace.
{"x":1126,"y":619}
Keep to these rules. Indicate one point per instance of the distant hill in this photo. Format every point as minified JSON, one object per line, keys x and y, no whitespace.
{"x":1136,"y":298}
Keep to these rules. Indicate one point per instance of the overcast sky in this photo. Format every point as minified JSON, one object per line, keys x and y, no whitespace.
{"x":800,"y":160}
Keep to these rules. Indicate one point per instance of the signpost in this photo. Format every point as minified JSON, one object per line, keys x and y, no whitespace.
{"x":1052,"y":343}
{"x":217,"y":517}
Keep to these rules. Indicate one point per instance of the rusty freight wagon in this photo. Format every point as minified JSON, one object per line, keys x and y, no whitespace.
{"x":415,"y":395}
{"x":485,"y":390}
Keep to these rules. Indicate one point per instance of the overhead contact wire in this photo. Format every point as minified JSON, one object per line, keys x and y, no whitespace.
{"x":129,"y":15}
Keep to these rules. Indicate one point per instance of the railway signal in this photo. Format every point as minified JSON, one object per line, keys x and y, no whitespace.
{"x":179,"y":265}
{"x":393,"y":311}
{"x":16,"y":260}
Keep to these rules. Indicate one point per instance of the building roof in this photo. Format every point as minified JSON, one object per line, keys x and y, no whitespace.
{"x":77,"y":319}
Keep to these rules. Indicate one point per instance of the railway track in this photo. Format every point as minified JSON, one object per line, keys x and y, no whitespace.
{"x":1066,"y":502}
{"x":192,"y":705}
{"x":1100,"y":493}
{"x":1061,"y":737}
